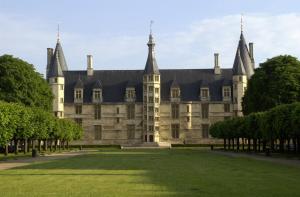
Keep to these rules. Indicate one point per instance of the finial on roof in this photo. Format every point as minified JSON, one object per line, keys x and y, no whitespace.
{"x":241,"y":22}
{"x":151,"y":23}
{"x":57,"y":32}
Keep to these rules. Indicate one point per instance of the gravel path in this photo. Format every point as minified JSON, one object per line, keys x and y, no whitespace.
{"x":4,"y":165}
{"x":290,"y":162}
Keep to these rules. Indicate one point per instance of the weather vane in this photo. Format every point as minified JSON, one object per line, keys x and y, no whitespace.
{"x":151,"y":23}
{"x":58,"y":31}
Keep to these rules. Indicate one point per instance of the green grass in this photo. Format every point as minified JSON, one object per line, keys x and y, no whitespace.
{"x":175,"y":172}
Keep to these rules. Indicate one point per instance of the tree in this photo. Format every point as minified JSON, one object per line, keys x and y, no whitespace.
{"x":20,"y":83}
{"x":275,"y":82}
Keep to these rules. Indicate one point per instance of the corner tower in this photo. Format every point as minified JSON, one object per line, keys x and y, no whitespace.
{"x":151,"y":96}
{"x":56,"y":64}
{"x":243,"y":69}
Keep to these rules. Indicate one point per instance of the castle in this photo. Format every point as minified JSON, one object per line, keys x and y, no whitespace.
{"x":150,"y":106}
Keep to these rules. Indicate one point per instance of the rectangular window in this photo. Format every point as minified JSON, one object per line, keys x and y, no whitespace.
{"x":156,"y":118}
{"x":97,"y":112}
{"x":55,"y":80}
{"x":205,"y":110}
{"x":118,"y":110}
{"x":145,"y":98}
{"x":150,"y":77}
{"x":151,"y":128}
{"x":150,"y":108}
{"x":175,"y":93}
{"x":235,"y":100}
{"x":156,"y":109}
{"x":156,"y":90}
{"x":226,"y":107}
{"x":205,"y":129}
{"x":151,"y":118}
{"x":98,"y":132}
{"x":118,"y":120}
{"x":145,"y":117}
{"x":130,"y":111}
{"x":61,"y":100}
{"x":188,"y":119}
{"x":175,"y":111}
{"x":156,"y":78}
{"x":145,"y":87}
{"x":187,"y":108}
{"x":150,"y":88}
{"x":175,"y":131}
{"x":150,"y":99}
{"x":204,"y":93}
{"x":61,"y":87}
{"x":130,"y":94}
{"x":226,"y":92}
{"x":78,"y":94}
{"x":97,"y":94}
{"x":130,"y":131}
{"x":156,"y":100}
{"x":157,"y":128}
{"x":78,"y":109}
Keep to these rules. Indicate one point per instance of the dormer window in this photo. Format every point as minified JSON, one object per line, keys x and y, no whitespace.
{"x":130,"y":94}
{"x":78,"y":95}
{"x":204,"y":93}
{"x":97,"y":95}
{"x":175,"y":93}
{"x":226,"y":93}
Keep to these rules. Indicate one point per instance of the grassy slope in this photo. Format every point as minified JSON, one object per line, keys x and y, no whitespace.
{"x":176,"y":172}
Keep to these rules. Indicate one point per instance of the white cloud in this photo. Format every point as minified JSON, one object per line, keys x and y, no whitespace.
{"x":192,"y":47}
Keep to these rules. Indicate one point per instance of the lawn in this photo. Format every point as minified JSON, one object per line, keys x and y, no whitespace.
{"x":175,"y":172}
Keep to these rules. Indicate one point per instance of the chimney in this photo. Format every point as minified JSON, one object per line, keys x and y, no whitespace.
{"x":90,"y":70}
{"x":217,"y":69}
{"x":49,"y":58}
{"x":251,"y":49}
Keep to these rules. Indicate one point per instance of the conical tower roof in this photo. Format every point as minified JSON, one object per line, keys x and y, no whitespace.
{"x":238,"y":66}
{"x":55,"y":67}
{"x":61,"y":56}
{"x":151,"y":65}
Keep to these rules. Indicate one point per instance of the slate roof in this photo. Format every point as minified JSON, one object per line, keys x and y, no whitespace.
{"x":58,"y":62}
{"x":238,"y":66}
{"x":151,"y":64}
{"x":114,"y":83}
{"x":243,"y":52}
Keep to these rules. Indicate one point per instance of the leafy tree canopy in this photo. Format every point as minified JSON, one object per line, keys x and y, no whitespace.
{"x":275,"y":82}
{"x":20,"y":83}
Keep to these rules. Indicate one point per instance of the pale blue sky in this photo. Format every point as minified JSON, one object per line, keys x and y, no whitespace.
{"x":187,"y":32}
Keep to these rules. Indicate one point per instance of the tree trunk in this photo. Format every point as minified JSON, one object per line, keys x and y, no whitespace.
{"x":28,"y":145}
{"x":238,"y":143}
{"x":255,"y":145}
{"x":294,"y":144}
{"x":232,"y":143}
{"x":281,"y":145}
{"x":50,"y":145}
{"x":249,"y":143}
{"x":289,"y":144}
{"x":6,"y":150}
{"x":45,"y":145}
{"x":25,"y":146}
{"x":68,"y":145}
{"x":243,"y":144}
{"x":229,"y":144}
{"x":63,"y":145}
{"x":272,"y":145}
{"x":55,"y":146}
{"x":259,"y":142}
{"x":264,"y":145}
{"x":16,"y":143}
{"x":298,"y":144}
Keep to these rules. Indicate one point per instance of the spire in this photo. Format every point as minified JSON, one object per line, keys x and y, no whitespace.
{"x":238,"y":66}
{"x":55,"y":67}
{"x":243,"y":56}
{"x":60,"y":55}
{"x":151,"y":65}
{"x":57,"y":32}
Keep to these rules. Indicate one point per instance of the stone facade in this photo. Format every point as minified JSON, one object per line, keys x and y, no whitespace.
{"x":150,"y":106}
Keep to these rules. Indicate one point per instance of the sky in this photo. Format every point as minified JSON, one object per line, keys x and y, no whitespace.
{"x":187,"y":32}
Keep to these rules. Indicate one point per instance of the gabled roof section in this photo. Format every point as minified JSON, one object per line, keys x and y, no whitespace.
{"x":61,"y":56}
{"x":151,"y":64}
{"x":174,"y":83}
{"x":97,"y":85}
{"x":79,"y":84}
{"x":243,"y":58}
{"x":238,"y":66}
{"x":55,"y":67}
{"x":130,"y":84}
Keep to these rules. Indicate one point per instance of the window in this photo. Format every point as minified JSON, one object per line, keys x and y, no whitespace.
{"x":150,"y":78}
{"x":145,"y":78}
{"x":175,"y":111}
{"x":78,"y":109}
{"x":130,"y":94}
{"x":156,"y":109}
{"x":205,"y":128}
{"x":97,"y":112}
{"x":151,"y":128}
{"x":151,"y":118}
{"x":235,"y":100}
{"x":235,"y":86}
{"x":145,"y":117}
{"x":240,"y":78}
{"x":175,"y":131}
{"x":61,"y":87}
{"x":130,"y":111}
{"x":130,"y":131}
{"x":150,"y":99}
{"x":118,"y":110}
{"x":156,"y":100}
{"x":204,"y":93}
{"x":118,"y":120}
{"x":188,"y":119}
{"x":156,"y":118}
{"x":61,"y":100}
{"x":55,"y":80}
{"x":78,"y":121}
{"x":150,"y":88}
{"x":145,"y":87}
{"x":97,"y":94}
{"x":157,"y":128}
{"x":205,"y":110}
{"x":150,"y":108}
{"x":226,"y":107}
{"x":175,"y":93}
{"x":226,"y":92}
{"x":58,"y":114}
{"x":145,"y":98}
{"x":98,"y":132}
{"x":188,"y":108}
{"x":78,"y":94}
{"x":156,"y":78}
{"x":156,"y":90}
